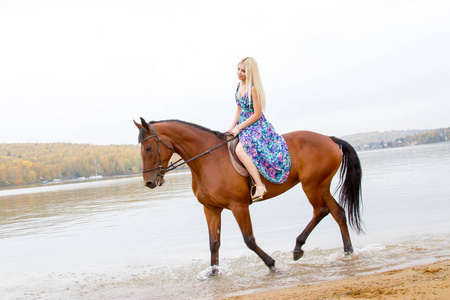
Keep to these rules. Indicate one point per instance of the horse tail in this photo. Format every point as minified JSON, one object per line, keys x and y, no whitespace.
{"x":350,"y":195}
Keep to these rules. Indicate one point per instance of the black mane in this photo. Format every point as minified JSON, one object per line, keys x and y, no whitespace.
{"x":219,"y":134}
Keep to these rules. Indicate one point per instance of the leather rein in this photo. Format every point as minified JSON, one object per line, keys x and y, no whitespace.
{"x":179,"y":162}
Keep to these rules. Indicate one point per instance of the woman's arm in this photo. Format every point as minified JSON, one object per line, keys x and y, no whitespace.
{"x":256,"y":108}
{"x":253,"y":118}
{"x":235,"y":119}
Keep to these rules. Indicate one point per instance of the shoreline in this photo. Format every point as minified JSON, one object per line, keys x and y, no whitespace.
{"x":430,"y":281}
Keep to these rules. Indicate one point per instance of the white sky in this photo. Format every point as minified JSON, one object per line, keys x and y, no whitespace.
{"x":81,"y":71}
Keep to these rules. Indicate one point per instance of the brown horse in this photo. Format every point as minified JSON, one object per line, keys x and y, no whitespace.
{"x":315,"y":159}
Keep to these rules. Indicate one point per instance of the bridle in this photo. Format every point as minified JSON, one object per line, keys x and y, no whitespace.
{"x":160,"y":167}
{"x":178,"y":163}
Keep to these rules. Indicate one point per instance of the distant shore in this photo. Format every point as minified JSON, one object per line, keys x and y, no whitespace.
{"x":430,"y":281}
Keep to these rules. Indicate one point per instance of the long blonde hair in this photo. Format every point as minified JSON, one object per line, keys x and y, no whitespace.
{"x":253,"y":78}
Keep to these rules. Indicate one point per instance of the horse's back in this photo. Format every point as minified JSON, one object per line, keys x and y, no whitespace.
{"x":314,"y":157}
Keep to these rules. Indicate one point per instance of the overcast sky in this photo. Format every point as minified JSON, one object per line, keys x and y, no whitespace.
{"x":81,"y":71}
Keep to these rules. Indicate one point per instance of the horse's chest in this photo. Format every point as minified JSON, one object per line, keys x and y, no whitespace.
{"x":206,"y":198}
{"x":200,"y":193}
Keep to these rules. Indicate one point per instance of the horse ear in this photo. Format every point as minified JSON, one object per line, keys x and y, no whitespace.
{"x":139,"y":126}
{"x":145,"y":125}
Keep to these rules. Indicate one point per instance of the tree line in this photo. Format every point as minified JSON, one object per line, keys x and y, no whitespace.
{"x":379,"y":141}
{"x":28,"y":163}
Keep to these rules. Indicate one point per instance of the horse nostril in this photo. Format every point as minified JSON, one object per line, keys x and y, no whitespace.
{"x":150,"y":184}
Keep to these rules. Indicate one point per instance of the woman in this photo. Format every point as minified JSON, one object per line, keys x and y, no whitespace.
{"x":260,"y":148}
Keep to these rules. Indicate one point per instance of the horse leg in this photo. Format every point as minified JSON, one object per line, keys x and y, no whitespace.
{"x":320,"y":211}
{"x":213,"y":218}
{"x":242,"y":216}
{"x":338,"y":214}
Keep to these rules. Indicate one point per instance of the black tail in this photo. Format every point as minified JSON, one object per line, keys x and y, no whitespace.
{"x":350,"y":196}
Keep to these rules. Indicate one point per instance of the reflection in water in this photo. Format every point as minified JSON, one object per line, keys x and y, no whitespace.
{"x":118,"y":239}
{"x":55,"y":205}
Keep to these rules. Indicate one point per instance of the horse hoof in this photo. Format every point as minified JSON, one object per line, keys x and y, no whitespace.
{"x":273,"y":269}
{"x":348,"y":251}
{"x":298,"y":255}
{"x":213,"y":271}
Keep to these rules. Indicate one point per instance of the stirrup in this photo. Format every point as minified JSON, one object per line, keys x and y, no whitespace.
{"x":260,"y":197}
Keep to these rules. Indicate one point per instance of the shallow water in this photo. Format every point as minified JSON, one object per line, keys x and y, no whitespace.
{"x":118,"y":239}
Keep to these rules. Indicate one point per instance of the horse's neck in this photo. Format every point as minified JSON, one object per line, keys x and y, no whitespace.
{"x":189,"y":141}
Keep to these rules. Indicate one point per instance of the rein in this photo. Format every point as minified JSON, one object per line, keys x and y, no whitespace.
{"x":178,"y":163}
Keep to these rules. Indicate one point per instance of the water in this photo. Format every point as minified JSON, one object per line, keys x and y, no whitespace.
{"x":117,"y":239}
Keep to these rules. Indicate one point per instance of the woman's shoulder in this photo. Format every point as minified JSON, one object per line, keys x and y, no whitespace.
{"x":254,"y":90}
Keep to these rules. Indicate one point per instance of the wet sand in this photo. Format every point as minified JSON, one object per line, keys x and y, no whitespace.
{"x":420,"y":282}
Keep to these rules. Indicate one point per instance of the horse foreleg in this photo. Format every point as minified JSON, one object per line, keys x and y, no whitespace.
{"x":242,"y":216}
{"x":213,"y":218}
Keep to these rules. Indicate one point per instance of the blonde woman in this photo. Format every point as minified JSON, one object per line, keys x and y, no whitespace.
{"x":260,"y":148}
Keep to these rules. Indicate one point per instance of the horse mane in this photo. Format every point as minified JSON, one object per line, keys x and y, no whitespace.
{"x":219,"y":134}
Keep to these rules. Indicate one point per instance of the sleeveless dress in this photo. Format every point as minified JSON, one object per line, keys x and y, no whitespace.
{"x":267,"y":149}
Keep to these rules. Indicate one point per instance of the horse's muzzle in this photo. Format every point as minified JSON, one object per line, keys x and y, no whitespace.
{"x":150,"y":184}
{"x":158,"y":182}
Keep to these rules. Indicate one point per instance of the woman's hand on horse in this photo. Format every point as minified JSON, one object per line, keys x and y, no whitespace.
{"x":235,"y":131}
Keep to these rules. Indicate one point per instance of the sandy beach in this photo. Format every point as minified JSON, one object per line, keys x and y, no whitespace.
{"x":420,"y":282}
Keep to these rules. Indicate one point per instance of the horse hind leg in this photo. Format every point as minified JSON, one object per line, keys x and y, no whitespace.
{"x":320,"y":211}
{"x":338,"y":214}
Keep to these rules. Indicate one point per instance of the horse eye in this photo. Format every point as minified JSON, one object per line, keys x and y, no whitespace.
{"x":148,"y":148}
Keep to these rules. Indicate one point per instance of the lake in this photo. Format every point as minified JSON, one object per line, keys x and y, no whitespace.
{"x":116,"y":239}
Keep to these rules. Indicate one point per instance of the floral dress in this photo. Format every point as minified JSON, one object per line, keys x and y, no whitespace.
{"x":267,"y":149}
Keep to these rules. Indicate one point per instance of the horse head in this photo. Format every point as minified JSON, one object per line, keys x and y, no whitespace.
{"x":155,"y":154}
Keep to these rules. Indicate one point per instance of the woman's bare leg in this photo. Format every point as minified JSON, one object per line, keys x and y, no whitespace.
{"x":250,"y":166}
